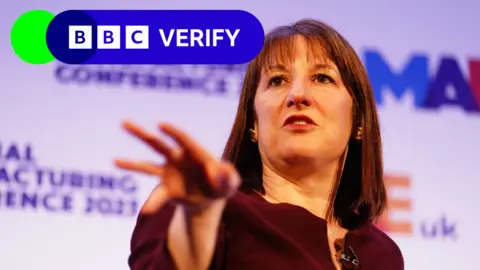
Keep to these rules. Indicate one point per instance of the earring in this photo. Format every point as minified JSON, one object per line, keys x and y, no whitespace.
{"x":253,"y":135}
{"x":359,"y":133}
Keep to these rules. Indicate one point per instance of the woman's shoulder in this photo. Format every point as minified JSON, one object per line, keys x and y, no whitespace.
{"x":385,"y":241}
{"x":372,"y":246}
{"x":378,"y":244}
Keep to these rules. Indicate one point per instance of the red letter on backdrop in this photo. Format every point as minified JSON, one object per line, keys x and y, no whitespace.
{"x":475,"y":79}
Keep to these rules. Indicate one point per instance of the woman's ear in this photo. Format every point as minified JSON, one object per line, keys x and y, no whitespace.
{"x":253,"y":133}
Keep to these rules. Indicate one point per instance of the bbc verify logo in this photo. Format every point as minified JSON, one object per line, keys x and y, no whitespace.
{"x":155,"y":37}
{"x":108,"y":37}
{"x":137,"y":37}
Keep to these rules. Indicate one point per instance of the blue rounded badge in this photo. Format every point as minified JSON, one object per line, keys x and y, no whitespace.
{"x":155,"y":37}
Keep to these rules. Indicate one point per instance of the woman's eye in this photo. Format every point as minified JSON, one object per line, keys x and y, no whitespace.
{"x":276,"y":81}
{"x":322,"y":78}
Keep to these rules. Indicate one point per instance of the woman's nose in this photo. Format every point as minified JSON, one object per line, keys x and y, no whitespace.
{"x":299,"y":96}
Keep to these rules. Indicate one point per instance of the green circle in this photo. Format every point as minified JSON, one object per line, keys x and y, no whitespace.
{"x":29,"y":37}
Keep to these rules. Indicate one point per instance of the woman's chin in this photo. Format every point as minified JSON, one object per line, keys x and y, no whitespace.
{"x":300,"y":152}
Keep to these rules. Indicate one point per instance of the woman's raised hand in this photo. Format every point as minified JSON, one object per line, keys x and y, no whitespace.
{"x":190,"y":176}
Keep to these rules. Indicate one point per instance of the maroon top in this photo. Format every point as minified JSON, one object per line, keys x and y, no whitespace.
{"x":255,"y":234}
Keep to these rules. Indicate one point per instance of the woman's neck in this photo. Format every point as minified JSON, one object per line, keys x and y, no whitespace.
{"x":311,"y":192}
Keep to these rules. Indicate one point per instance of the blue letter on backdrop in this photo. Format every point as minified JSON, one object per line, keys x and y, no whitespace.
{"x":414,"y":77}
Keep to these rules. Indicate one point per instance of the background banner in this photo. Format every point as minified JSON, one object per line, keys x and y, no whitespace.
{"x":63,"y":205}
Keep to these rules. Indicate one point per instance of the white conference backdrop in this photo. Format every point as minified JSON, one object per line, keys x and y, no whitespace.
{"x":65,"y":120}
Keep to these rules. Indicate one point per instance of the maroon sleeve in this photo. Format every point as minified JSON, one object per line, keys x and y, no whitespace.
{"x":148,"y":246}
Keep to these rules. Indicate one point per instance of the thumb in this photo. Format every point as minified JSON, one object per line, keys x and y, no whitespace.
{"x":227,"y":179}
{"x":156,"y":200}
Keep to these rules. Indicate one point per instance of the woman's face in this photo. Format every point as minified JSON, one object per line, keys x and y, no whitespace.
{"x":303,"y":109}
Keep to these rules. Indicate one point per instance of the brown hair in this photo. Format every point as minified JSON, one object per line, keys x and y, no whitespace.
{"x":360,"y":191}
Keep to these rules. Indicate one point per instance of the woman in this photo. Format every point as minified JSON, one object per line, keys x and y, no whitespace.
{"x":305,"y":154}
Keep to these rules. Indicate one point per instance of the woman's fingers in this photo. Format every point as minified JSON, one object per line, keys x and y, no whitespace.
{"x":190,"y":176}
{"x":181,"y":138}
{"x":156,"y":200}
{"x":185,"y":142}
{"x":159,"y":195}
{"x":141,"y":167}
{"x":151,"y":139}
